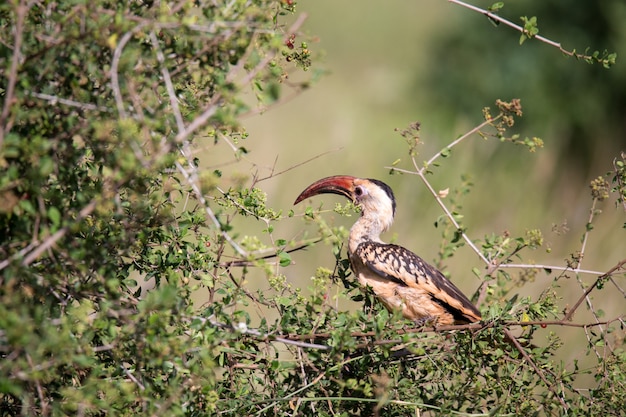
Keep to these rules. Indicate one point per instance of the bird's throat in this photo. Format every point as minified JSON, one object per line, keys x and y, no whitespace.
{"x":366,"y":229}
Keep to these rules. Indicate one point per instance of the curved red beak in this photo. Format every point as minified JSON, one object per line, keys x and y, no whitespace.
{"x":337,"y":184}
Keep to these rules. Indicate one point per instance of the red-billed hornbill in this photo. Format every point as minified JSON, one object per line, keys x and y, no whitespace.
{"x":399,"y":278}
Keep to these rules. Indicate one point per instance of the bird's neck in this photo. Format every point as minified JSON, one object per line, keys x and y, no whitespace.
{"x":366,"y":229}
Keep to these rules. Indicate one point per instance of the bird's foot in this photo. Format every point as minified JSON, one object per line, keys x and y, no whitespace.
{"x":428,"y":320}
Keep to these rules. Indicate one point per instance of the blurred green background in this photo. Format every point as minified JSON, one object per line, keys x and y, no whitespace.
{"x":394,"y":62}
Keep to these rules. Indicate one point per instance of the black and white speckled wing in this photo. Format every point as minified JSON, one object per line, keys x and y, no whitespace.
{"x":402,"y":266}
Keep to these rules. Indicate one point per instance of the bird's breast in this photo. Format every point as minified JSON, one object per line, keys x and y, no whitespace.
{"x":414,"y":303}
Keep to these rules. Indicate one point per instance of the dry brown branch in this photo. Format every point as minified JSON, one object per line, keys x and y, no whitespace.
{"x":583,"y":297}
{"x":537,"y":370}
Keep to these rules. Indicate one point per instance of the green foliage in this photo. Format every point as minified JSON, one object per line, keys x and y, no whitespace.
{"x":530,"y":28}
{"x":132,"y":281}
{"x":618,"y":179}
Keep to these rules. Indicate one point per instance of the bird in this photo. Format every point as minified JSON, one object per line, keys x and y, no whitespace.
{"x":399,"y":278}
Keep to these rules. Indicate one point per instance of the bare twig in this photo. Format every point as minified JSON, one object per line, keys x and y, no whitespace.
{"x":476,"y":129}
{"x":583,"y":297}
{"x":52,"y":239}
{"x":274,"y":174}
{"x":299,"y":390}
{"x":592,"y":212}
{"x":268,"y":337}
{"x":552,"y":267}
{"x":72,"y":103}
{"x":132,"y":378}
{"x":42,"y":397}
{"x":241,"y":263}
{"x":168,"y":82}
{"x":117,"y":54}
{"x":439,"y":329}
{"x":562,"y":322}
{"x":421,"y":172}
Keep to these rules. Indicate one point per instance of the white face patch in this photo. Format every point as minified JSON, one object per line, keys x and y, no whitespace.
{"x":375,"y":203}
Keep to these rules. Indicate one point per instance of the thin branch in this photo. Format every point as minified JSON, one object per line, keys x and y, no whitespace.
{"x":583,"y":297}
{"x":72,"y":103}
{"x":457,"y":141}
{"x":370,"y":400}
{"x":455,"y":327}
{"x":199,"y":121}
{"x":22,"y":10}
{"x":592,"y":212}
{"x":117,"y":54}
{"x":19,"y":254}
{"x":581,"y":255}
{"x":291,"y":395}
{"x":183,"y":135}
{"x":552,"y":267}
{"x":521,"y":266}
{"x":439,"y":201}
{"x":421,"y":172}
{"x":168,"y":82}
{"x":267,"y":337}
{"x":209,"y":212}
{"x":539,"y":372}
{"x":43,"y":401}
{"x":620,"y":289}
{"x":52,"y":239}
{"x":274,"y":174}
{"x":520,"y":29}
{"x":132,"y":378}
{"x":214,"y":105}
{"x":241,"y":263}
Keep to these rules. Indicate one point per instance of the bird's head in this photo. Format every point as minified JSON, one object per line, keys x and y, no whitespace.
{"x":373,"y":197}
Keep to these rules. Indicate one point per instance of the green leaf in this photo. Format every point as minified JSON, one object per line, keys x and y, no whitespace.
{"x":496,"y":6}
{"x":55,"y":216}
{"x":284,"y":259}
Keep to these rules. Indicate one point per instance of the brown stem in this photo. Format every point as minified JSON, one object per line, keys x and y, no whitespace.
{"x":571,"y":311}
{"x":539,"y":372}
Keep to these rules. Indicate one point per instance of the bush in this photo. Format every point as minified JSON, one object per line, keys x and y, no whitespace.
{"x":111,"y":229}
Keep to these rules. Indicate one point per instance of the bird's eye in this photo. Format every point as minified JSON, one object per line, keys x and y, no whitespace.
{"x":358,"y":191}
